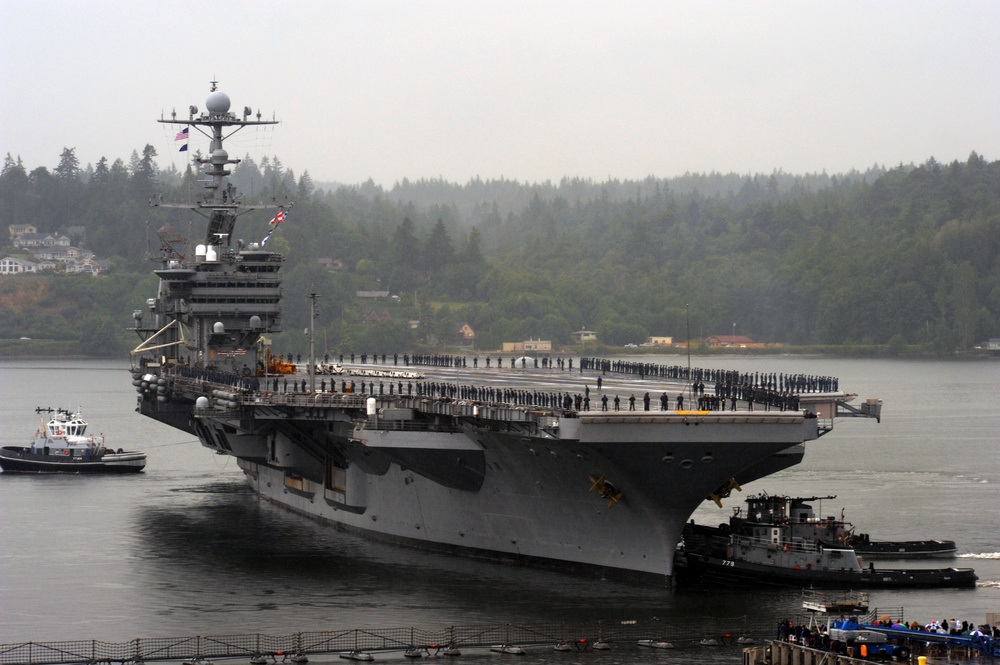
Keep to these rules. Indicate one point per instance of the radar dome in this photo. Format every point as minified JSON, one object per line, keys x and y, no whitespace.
{"x":217,"y":102}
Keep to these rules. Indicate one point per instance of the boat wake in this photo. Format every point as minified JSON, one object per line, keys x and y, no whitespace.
{"x":990,"y":584}
{"x":981,"y":555}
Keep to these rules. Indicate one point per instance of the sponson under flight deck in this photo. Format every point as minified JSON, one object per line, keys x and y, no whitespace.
{"x":483,"y":474}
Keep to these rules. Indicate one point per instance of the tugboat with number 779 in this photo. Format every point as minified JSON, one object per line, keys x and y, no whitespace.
{"x":780,"y":541}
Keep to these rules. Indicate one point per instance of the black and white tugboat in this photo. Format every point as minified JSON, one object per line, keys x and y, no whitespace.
{"x":780,"y":541}
{"x":63,"y":446}
{"x":807,"y":525}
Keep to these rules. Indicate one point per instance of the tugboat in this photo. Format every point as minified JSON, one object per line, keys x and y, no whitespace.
{"x":805,"y":524}
{"x":63,"y":446}
{"x":781,"y":542}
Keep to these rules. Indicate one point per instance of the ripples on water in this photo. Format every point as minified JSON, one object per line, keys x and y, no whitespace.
{"x":186,"y":548}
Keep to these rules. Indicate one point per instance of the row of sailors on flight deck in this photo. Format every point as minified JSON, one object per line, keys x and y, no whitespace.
{"x":724,"y":392}
{"x":519,"y":397}
{"x":773,"y":381}
{"x":777,"y":382}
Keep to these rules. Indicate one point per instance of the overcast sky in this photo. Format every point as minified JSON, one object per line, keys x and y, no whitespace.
{"x":529,"y":90}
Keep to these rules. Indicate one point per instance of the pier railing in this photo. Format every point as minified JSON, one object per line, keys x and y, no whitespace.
{"x":783,"y":653}
{"x":280,"y":647}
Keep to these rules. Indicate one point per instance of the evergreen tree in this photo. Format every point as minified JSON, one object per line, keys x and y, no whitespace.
{"x":404,"y":257}
{"x":9,"y":164}
{"x":101,"y":172}
{"x":439,"y":252}
{"x":69,"y":166}
{"x":306,"y":187}
{"x":14,"y":192}
{"x":144,"y":172}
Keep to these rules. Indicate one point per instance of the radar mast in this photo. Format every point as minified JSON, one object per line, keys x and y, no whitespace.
{"x":220,"y":204}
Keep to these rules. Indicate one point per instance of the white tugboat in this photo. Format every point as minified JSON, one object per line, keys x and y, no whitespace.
{"x":63,"y":446}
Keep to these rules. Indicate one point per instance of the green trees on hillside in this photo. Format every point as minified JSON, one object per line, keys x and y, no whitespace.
{"x":908,"y":255}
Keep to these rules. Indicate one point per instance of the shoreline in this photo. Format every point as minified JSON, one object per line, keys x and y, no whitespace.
{"x":594,"y":351}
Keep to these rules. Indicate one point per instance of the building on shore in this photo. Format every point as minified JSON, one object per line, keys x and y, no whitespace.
{"x":536,"y":345}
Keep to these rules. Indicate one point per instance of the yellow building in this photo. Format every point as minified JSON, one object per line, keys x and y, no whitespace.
{"x":537,"y":345}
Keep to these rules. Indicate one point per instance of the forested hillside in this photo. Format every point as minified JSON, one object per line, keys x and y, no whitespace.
{"x":907,"y":256}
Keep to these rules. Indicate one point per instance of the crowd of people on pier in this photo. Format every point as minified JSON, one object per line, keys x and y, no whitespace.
{"x":818,"y":637}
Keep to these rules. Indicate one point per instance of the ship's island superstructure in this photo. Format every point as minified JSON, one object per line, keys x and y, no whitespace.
{"x":480,"y":460}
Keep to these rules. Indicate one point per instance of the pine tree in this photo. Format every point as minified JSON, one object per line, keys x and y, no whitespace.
{"x":306,"y":187}
{"x":69,"y":166}
{"x":439,"y":252}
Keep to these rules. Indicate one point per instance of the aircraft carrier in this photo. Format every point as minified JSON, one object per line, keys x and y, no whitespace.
{"x":516,"y":462}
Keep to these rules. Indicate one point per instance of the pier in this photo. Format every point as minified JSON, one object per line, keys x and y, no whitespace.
{"x":394,"y":642}
{"x":786,"y":653}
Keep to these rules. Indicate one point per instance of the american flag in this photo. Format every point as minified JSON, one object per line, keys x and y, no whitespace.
{"x":279,"y":218}
{"x":182,"y":135}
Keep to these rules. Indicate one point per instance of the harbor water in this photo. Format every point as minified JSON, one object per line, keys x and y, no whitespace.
{"x":185,"y":548}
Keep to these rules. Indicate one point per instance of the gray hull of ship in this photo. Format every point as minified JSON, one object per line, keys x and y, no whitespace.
{"x":520,"y":497}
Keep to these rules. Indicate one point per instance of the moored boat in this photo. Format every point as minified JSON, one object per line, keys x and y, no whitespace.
{"x":902,"y":549}
{"x":780,"y":541}
{"x":63,"y":446}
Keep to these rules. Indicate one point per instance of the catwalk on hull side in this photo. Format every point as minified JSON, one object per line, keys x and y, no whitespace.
{"x":489,"y":461}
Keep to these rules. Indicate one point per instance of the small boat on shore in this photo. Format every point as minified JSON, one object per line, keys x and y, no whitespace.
{"x":780,"y":541}
{"x":63,"y":446}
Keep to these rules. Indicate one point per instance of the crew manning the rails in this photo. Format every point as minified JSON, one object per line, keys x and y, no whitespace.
{"x":755,"y":390}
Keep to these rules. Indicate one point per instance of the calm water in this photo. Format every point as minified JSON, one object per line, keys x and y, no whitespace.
{"x":186,"y":549}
